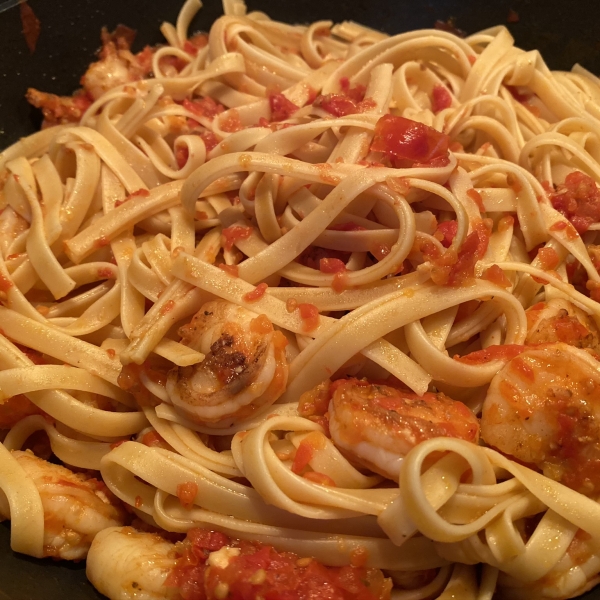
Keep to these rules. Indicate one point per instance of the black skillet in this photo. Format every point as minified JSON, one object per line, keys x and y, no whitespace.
{"x":565,"y":33}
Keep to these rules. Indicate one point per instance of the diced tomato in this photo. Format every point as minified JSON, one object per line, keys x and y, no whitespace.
{"x":256,"y":294}
{"x":446,"y":232}
{"x":578,"y":199}
{"x":309,"y":314}
{"x":153,"y":439}
{"x":331,"y":265}
{"x":232,"y":123}
{"x":340,"y":105}
{"x":312,"y":256}
{"x":496,"y":275}
{"x":548,"y":258}
{"x":476,"y":197}
{"x":440,"y":98}
{"x":281,"y":107}
{"x":356,"y":93}
{"x":304,"y":454}
{"x":404,"y":140}
{"x":230,"y":235}
{"x":504,"y":352}
{"x":204,"y":107}
{"x":210,"y":140}
{"x":262,"y":572}
{"x":186,"y":492}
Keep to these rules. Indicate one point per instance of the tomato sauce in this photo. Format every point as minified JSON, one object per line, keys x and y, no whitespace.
{"x":281,"y":107}
{"x":230,"y":235}
{"x":260,"y":571}
{"x":578,"y":199}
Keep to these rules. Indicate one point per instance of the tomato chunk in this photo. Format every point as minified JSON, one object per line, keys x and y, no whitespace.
{"x":402,"y":139}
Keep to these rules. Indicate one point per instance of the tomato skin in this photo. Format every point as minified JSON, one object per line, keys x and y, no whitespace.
{"x":402,"y":139}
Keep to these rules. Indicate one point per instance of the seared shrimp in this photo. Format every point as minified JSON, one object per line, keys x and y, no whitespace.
{"x":117,"y":65}
{"x":377,"y":425}
{"x":561,"y":321}
{"x":76,"y":507}
{"x":543,"y":408}
{"x":126,"y":564}
{"x":245,"y":366}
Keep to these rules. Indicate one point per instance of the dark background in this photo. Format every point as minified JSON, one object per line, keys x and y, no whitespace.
{"x":565,"y":33}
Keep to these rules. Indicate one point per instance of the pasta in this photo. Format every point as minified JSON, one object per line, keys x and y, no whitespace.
{"x":329,"y":294}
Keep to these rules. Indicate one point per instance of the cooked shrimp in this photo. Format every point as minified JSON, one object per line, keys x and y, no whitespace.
{"x":59,"y":109}
{"x":377,"y":425}
{"x":117,"y":65}
{"x":245,"y":366}
{"x":543,"y":408}
{"x":561,"y":321}
{"x":76,"y":507}
{"x":126,"y":564}
{"x":13,"y":409}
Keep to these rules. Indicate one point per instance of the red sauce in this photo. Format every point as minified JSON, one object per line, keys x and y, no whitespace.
{"x":309,"y":314}
{"x":446,"y":232}
{"x":505,"y":352}
{"x":230,"y":235}
{"x":204,"y":107}
{"x":578,"y":199}
{"x":349,"y":102}
{"x":182,"y":153}
{"x":168,"y":307}
{"x":5,"y":283}
{"x":356,"y":93}
{"x":13,"y":409}
{"x":350,"y":226}
{"x":331,"y":265}
{"x":568,"y":229}
{"x":232,"y":123}
{"x":404,"y":140}
{"x":505,"y":223}
{"x":232,"y":270}
{"x":262,"y":572}
{"x":440,"y":98}
{"x":319,"y":478}
{"x":106,"y":273}
{"x":256,"y":294}
{"x":210,"y":140}
{"x":523,"y":369}
{"x":281,"y":107}
{"x":186,"y":492}
{"x":496,"y":275}
{"x":476,"y":197}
